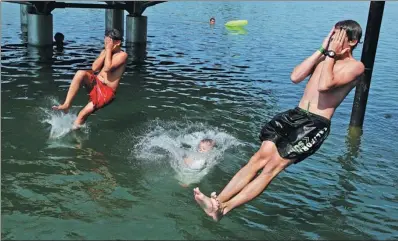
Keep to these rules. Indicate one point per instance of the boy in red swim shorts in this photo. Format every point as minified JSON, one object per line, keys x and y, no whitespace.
{"x":111,"y":64}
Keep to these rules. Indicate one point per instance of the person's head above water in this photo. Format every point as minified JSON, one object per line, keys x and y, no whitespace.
{"x":353,"y":31}
{"x":59,"y":37}
{"x":206,"y":145}
{"x":115,"y":35}
{"x":212,"y":20}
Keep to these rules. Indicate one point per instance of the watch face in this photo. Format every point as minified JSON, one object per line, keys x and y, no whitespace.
{"x":331,"y":53}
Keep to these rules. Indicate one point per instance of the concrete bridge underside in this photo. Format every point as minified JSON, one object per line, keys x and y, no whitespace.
{"x":37,"y":19}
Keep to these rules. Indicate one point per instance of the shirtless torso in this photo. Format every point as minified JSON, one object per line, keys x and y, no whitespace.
{"x":324,"y":103}
{"x":332,"y":77}
{"x":112,"y":78}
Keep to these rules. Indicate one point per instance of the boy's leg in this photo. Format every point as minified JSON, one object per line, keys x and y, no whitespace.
{"x":83,"y":115}
{"x":80,"y":77}
{"x":247,"y":173}
{"x":257,"y":186}
{"x":272,"y":164}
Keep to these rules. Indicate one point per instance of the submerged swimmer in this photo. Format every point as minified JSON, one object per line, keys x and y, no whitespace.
{"x":198,"y":163}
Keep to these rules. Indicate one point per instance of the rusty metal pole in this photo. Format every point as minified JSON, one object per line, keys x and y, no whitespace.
{"x":375,"y":16}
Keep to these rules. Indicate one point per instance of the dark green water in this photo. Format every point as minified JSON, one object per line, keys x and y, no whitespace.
{"x":194,"y":80}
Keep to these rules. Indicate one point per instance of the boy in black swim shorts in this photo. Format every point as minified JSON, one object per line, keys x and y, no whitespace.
{"x":295,"y":134}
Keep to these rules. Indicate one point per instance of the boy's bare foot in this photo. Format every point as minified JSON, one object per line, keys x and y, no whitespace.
{"x":76,"y":127}
{"x":210,"y":205}
{"x":63,"y":107}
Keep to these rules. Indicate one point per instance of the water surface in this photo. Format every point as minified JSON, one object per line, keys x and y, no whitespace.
{"x":191,"y":80}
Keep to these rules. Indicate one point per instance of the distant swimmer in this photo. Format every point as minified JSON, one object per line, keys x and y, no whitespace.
{"x":294,"y":135}
{"x":198,"y":162}
{"x":111,"y":64}
{"x":59,"y":40}
{"x":212,"y":20}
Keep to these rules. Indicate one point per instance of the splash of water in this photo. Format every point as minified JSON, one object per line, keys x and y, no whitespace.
{"x":60,"y":124}
{"x":175,"y":142}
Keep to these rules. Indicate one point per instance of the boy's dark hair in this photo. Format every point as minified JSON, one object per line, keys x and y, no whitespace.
{"x":59,"y":37}
{"x":114,"y":34}
{"x":352,"y":28}
{"x":212,"y":18}
{"x":210,"y":141}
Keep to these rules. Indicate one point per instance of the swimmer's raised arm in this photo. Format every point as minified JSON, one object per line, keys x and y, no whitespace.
{"x":99,"y":62}
{"x":307,"y":67}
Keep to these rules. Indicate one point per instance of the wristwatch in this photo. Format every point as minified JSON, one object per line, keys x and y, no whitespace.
{"x":330,"y":53}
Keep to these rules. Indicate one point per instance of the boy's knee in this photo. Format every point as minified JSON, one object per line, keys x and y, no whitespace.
{"x":258,"y":161}
{"x":82,"y":72}
{"x":263,"y":155}
{"x":267,"y":149}
{"x":275,"y":166}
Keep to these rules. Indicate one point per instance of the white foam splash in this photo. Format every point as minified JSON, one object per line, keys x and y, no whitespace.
{"x":174,"y":141}
{"x":60,"y":123}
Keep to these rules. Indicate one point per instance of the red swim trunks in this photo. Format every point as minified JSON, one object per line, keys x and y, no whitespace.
{"x":100,"y":94}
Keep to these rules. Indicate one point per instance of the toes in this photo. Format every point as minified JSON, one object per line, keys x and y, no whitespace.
{"x":197,"y":191}
{"x":213,"y":195}
{"x":215,"y":202}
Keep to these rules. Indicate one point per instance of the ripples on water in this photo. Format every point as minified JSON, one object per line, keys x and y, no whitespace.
{"x":91,"y":184}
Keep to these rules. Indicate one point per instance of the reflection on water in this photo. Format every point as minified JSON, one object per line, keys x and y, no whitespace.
{"x":137,"y":53}
{"x":40,"y":55}
{"x":353,"y":140}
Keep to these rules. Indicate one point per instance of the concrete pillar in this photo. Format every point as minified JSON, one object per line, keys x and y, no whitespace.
{"x":40,"y":29}
{"x":114,"y":19}
{"x":137,"y":53}
{"x":24,"y":17}
{"x":136,"y":29}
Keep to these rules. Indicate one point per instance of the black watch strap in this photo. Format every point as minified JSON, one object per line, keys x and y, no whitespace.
{"x":331,"y":54}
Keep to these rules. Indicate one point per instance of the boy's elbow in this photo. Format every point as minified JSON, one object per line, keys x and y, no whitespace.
{"x":325,"y":88}
{"x":294,"y":78}
{"x":322,"y":90}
